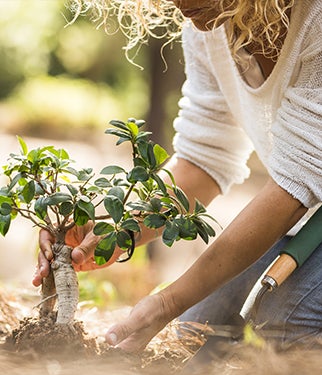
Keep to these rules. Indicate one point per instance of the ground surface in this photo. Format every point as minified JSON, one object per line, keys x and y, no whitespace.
{"x":166,"y":354}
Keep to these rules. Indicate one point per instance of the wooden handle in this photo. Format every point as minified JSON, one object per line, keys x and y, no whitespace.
{"x":282,"y":268}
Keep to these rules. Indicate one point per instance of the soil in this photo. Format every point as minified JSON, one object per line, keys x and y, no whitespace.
{"x":41,"y":344}
{"x":33,"y":334}
{"x":31,"y":346}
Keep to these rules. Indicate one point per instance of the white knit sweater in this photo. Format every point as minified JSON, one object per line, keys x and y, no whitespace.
{"x":222,"y":119}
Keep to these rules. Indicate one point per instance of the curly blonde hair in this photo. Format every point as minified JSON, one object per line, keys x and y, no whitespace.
{"x":256,"y":22}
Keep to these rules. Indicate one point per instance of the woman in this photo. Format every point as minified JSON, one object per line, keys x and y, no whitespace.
{"x":253,"y":81}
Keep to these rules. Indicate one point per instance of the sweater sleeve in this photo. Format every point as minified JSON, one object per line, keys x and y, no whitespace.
{"x":296,"y":159}
{"x":206,"y":133}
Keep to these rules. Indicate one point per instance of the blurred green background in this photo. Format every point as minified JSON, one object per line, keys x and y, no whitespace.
{"x":62,"y":84}
{"x":68,"y":81}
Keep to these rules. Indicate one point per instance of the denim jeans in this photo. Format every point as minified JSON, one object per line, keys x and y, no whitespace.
{"x":294,"y":309}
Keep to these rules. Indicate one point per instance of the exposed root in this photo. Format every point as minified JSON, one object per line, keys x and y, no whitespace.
{"x":45,"y":300}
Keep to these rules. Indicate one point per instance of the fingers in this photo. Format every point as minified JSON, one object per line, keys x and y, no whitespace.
{"x":128,"y":338}
{"x":45,"y":243}
{"x":81,"y":253}
{"x":145,"y":321}
{"x":85,"y":250}
{"x":42,"y":269}
{"x":44,"y":257}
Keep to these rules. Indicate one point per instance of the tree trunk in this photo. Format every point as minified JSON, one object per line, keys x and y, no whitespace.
{"x":61,"y":284}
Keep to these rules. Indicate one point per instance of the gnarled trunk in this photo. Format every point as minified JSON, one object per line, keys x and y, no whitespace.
{"x":61,"y":285}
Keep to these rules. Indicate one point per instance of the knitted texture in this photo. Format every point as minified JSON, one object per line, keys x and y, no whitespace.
{"x":222,"y":119}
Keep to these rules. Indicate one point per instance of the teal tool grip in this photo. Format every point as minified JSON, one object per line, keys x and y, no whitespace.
{"x":302,"y":245}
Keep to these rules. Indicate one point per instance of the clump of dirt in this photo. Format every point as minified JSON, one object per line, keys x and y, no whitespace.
{"x":45,"y":337}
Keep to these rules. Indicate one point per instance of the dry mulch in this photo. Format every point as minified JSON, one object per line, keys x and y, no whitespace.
{"x":166,"y":354}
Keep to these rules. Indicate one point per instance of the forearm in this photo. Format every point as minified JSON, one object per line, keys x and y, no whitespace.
{"x":269,"y":215}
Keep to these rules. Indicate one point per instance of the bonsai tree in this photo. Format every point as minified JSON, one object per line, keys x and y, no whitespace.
{"x":45,"y":189}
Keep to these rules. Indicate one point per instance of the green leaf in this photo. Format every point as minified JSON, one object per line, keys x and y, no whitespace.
{"x":102,"y":182}
{"x":170,"y":233}
{"x":187,"y":228}
{"x":84,"y":198}
{"x":119,"y":133}
{"x":182,"y":198}
{"x":137,"y":174}
{"x":87,"y":207}
{"x":112,"y":169}
{"x":14,"y":181}
{"x":34,"y":155}
{"x":151,"y":157}
{"x":143,"y":136}
{"x":139,"y":162}
{"x":199,"y":207}
{"x":122,"y":140}
{"x":210,"y":230}
{"x":80,"y":217}
{"x":73,"y":190}
{"x":131,"y":224}
{"x":40,"y":188}
{"x":106,"y":247}
{"x":140,"y":206}
{"x":117,"y":192}
{"x":160,"y":183}
{"x":5,"y":221}
{"x":5,"y":209}
{"x":40,"y":208}
{"x":85,"y":174}
{"x":28,"y":192}
{"x":204,"y":229}
{"x":99,"y":260}
{"x":102,"y":228}
{"x":118,"y":124}
{"x":201,"y":230}
{"x":56,"y":198}
{"x":62,"y":154}
{"x":123,"y":240}
{"x":156,"y":204}
{"x":154,"y":221}
{"x":160,"y":154}
{"x":23,"y":145}
{"x":71,"y":171}
{"x":66,"y":208}
{"x":170,"y":175}
{"x":140,"y":123}
{"x":114,"y":207}
{"x":120,"y":182}
{"x":133,"y":128}
{"x":143,"y":151}
{"x":4,"y":198}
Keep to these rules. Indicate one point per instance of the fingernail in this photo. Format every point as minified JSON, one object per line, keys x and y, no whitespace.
{"x":113,"y":338}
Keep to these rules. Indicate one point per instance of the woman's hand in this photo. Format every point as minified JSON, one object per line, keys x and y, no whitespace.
{"x":146,"y":319}
{"x":82,"y":240}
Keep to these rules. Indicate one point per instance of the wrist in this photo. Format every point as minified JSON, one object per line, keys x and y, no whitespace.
{"x":170,"y":304}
